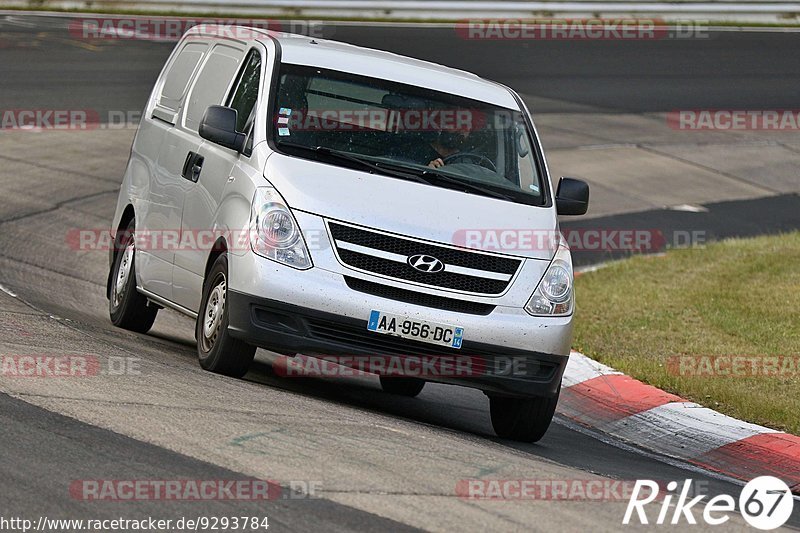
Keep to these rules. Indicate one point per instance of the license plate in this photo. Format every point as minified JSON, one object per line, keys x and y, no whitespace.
{"x":419,"y":330}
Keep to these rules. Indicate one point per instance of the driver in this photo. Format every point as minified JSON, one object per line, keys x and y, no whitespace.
{"x":446,"y":144}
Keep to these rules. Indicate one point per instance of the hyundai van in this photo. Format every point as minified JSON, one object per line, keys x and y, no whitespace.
{"x":325,"y":201}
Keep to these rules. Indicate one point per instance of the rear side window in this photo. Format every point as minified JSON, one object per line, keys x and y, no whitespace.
{"x":245,"y":94}
{"x":212,"y":82}
{"x":179,"y":75}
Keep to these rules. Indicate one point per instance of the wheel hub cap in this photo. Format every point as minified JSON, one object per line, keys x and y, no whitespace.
{"x":212,"y":317}
{"x":123,"y":273}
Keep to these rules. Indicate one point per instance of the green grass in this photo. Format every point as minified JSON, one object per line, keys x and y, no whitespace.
{"x":735,"y":297}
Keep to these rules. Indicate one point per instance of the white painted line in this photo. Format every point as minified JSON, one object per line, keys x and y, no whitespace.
{"x":17,"y":21}
{"x":682,"y":429}
{"x":637,"y":449}
{"x":675,"y":433}
{"x":592,"y":268}
{"x":8,"y":291}
{"x":581,"y":368}
{"x":689,"y":208}
{"x":610,"y":146}
{"x":599,"y":266}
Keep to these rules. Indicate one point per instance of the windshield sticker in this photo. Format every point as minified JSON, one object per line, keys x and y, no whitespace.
{"x":285,"y":112}
{"x":284,"y":132}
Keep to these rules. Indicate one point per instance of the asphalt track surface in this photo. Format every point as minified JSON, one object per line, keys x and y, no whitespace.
{"x":723,"y":70}
{"x":383,"y":460}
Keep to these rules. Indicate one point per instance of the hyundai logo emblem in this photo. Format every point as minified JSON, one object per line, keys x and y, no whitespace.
{"x":425,"y":263}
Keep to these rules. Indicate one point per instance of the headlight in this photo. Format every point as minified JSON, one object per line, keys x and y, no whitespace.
{"x":555,"y":296}
{"x":274,"y":231}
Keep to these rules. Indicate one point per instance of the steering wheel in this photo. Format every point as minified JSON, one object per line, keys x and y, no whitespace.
{"x":471,"y":157}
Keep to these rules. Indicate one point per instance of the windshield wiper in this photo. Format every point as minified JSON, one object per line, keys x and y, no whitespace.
{"x":439,"y":176}
{"x":399,"y":170}
{"x":346,"y":156}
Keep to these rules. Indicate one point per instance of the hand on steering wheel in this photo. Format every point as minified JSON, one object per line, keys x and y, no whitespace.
{"x":471,"y":157}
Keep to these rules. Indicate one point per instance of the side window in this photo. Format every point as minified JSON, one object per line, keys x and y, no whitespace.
{"x":528,"y":174}
{"x":245,"y":94}
{"x":212,"y":82}
{"x":180,"y":73}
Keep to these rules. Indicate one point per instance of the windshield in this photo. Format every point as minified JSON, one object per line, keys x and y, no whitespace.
{"x":442,"y":139}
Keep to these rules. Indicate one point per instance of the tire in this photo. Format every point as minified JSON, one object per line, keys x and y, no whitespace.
{"x":217,"y":351}
{"x":409,"y":387}
{"x":522,"y":419}
{"x":128,"y":308}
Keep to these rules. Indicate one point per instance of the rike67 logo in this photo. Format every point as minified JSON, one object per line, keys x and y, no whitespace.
{"x":765,"y":503}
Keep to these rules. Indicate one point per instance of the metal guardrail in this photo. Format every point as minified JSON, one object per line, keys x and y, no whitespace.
{"x":712,"y":10}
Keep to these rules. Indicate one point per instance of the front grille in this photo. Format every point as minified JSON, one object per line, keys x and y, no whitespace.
{"x":418,"y":298}
{"x":386,"y":255}
{"x":403,"y":271}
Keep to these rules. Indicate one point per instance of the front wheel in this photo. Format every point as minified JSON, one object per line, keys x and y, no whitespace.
{"x":127,"y":307}
{"x":217,"y":351}
{"x":409,"y":387}
{"x":522,"y":419}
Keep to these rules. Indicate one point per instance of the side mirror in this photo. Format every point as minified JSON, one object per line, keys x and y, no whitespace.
{"x":572,"y":197}
{"x":219,"y":127}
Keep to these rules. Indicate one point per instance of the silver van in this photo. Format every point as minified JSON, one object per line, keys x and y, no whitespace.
{"x":354,"y":206}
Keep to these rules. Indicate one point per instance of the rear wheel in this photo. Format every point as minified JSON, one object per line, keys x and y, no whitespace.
{"x":522,"y":419}
{"x":127,"y":307}
{"x":217,"y":351}
{"x":402,"y":386}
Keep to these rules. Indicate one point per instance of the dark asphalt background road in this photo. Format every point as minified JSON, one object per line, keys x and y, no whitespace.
{"x":43,"y":65}
{"x":59,"y":450}
{"x":43,"y":68}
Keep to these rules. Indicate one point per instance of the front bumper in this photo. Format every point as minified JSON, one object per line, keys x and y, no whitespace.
{"x":325,"y":287}
{"x":292,"y":329}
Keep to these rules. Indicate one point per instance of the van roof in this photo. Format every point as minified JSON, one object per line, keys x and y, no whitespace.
{"x":335,"y":55}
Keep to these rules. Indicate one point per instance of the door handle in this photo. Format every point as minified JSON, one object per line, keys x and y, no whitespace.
{"x":192,"y":166}
{"x":197,"y":167}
